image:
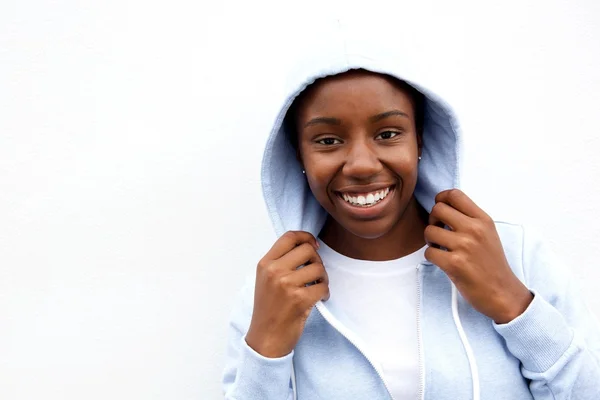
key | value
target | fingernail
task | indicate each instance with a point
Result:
(317, 244)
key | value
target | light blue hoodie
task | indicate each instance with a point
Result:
(551, 351)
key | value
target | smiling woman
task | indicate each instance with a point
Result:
(358, 138)
(387, 281)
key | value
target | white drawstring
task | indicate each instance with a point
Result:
(463, 338)
(465, 342)
(294, 381)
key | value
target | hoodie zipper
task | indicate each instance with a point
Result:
(341, 330)
(421, 365)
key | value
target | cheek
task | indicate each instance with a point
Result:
(404, 163)
(320, 171)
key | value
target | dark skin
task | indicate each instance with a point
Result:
(357, 135)
(367, 140)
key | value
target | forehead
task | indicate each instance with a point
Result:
(354, 93)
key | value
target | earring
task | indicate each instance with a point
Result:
(303, 171)
(419, 158)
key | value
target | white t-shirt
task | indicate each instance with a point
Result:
(378, 301)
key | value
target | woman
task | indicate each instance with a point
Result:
(386, 280)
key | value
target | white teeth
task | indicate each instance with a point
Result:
(368, 200)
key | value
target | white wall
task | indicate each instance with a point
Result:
(130, 141)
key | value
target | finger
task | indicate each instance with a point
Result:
(435, 235)
(444, 214)
(309, 274)
(438, 257)
(299, 256)
(287, 242)
(319, 291)
(461, 202)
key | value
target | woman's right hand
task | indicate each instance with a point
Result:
(282, 301)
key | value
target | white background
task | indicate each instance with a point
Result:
(130, 140)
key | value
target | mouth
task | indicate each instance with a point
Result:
(367, 204)
(365, 200)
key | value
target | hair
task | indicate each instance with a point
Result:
(290, 122)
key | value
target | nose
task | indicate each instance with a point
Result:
(361, 161)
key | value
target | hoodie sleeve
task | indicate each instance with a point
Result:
(247, 374)
(557, 339)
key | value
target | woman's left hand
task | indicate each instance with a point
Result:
(474, 258)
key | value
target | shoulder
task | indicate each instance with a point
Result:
(531, 256)
(511, 234)
(243, 304)
(522, 239)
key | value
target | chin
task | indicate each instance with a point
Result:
(368, 230)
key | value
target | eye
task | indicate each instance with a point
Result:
(328, 141)
(387, 135)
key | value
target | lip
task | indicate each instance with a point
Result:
(356, 190)
(367, 213)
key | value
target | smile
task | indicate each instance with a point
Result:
(365, 200)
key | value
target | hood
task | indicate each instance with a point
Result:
(290, 202)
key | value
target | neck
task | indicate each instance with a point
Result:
(406, 237)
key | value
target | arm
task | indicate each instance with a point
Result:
(248, 375)
(557, 338)
(267, 323)
(542, 316)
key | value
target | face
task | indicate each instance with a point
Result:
(357, 141)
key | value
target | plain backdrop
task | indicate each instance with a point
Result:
(131, 135)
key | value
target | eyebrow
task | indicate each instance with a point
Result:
(387, 114)
(373, 119)
(323, 120)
